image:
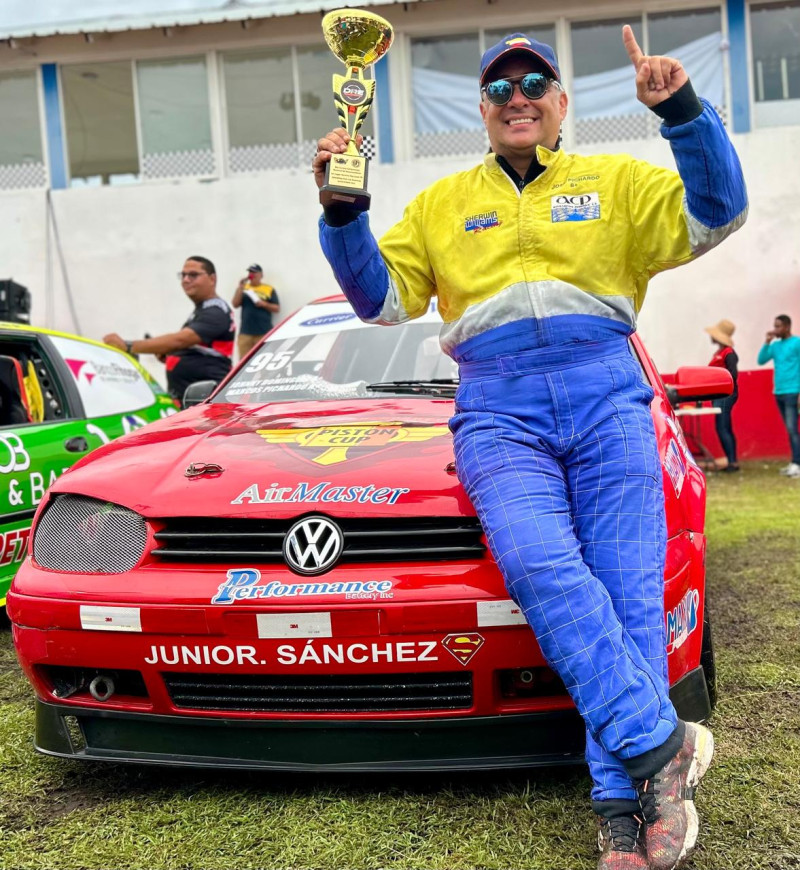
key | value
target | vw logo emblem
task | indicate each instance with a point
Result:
(313, 545)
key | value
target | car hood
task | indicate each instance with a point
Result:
(349, 458)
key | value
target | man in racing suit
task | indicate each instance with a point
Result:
(540, 261)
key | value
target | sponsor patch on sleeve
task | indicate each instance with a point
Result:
(575, 207)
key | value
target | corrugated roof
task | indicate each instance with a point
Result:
(226, 10)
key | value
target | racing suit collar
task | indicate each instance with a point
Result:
(543, 158)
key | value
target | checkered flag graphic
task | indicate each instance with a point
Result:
(20, 175)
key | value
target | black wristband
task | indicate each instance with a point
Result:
(340, 215)
(683, 106)
(129, 347)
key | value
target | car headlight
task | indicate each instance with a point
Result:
(88, 536)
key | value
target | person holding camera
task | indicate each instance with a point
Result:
(258, 301)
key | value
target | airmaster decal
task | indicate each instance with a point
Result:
(332, 444)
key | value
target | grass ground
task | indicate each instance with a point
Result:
(58, 814)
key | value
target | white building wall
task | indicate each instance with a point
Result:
(122, 246)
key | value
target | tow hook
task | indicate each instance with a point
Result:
(102, 687)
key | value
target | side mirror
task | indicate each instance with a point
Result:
(699, 384)
(197, 392)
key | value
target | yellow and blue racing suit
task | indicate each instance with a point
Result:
(539, 285)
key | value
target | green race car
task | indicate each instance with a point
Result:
(60, 397)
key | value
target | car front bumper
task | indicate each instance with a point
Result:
(412, 744)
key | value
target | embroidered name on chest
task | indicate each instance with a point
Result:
(477, 223)
(575, 207)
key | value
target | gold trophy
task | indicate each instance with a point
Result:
(358, 39)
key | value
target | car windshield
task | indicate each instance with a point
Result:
(325, 352)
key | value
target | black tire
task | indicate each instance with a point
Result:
(707, 661)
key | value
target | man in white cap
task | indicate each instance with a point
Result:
(540, 261)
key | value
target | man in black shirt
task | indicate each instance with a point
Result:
(202, 348)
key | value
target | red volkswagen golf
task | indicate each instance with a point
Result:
(288, 575)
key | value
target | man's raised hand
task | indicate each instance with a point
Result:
(657, 77)
(332, 143)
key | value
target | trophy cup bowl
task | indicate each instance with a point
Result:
(358, 39)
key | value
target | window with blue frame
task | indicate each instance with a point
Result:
(775, 33)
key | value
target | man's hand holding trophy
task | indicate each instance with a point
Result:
(358, 39)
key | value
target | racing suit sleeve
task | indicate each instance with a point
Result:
(765, 354)
(678, 218)
(386, 285)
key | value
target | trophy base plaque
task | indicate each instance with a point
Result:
(346, 182)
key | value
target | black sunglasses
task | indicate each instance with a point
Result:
(533, 86)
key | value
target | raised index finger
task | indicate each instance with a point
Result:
(632, 46)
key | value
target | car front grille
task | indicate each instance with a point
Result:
(209, 539)
(372, 693)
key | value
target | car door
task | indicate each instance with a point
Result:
(116, 393)
(41, 435)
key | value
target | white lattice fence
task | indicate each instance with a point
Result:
(19, 175)
(289, 155)
(610, 129)
(175, 164)
(262, 158)
(450, 143)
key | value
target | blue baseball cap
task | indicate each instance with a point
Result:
(519, 43)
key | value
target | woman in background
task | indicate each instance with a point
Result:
(727, 358)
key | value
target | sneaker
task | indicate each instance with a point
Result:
(667, 800)
(792, 470)
(621, 843)
(786, 468)
(729, 469)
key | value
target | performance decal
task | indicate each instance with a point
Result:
(242, 584)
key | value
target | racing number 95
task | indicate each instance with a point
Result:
(268, 361)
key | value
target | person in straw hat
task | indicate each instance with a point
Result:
(727, 358)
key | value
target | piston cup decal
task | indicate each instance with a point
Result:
(330, 445)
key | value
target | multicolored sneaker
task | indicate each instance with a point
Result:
(621, 843)
(667, 800)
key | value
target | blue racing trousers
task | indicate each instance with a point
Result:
(556, 449)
